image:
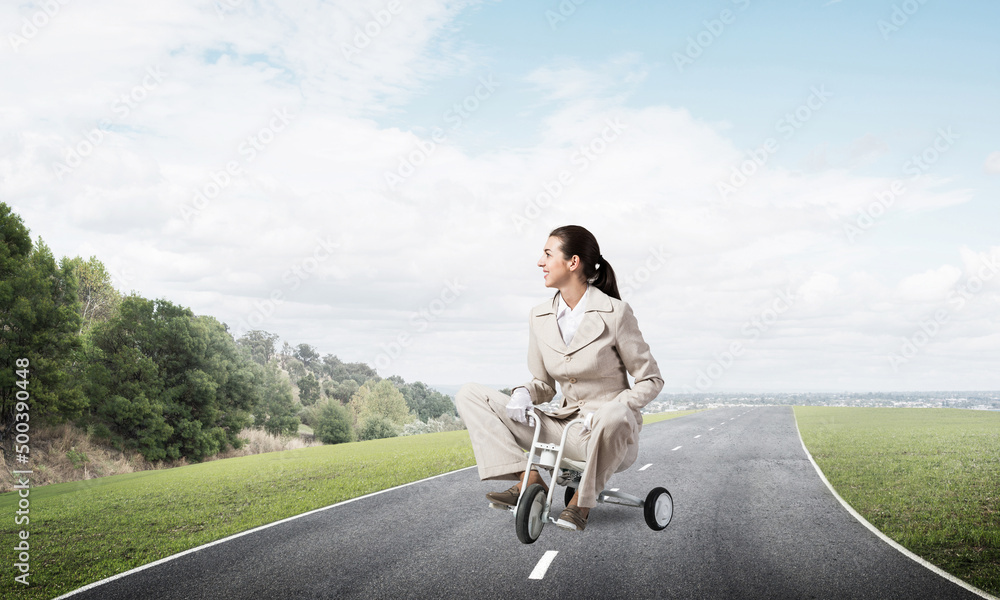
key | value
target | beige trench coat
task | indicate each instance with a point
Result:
(592, 373)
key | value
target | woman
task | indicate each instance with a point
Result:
(586, 339)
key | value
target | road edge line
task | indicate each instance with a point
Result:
(166, 559)
(902, 549)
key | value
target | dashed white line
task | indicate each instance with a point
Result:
(649, 465)
(676, 449)
(711, 428)
(543, 564)
(697, 436)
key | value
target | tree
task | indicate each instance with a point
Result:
(426, 402)
(331, 364)
(308, 355)
(168, 383)
(274, 410)
(40, 322)
(98, 296)
(342, 391)
(341, 371)
(294, 366)
(285, 354)
(333, 424)
(380, 399)
(308, 390)
(259, 344)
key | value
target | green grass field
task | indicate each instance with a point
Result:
(927, 478)
(85, 531)
(647, 419)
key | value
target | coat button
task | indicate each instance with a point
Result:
(572, 379)
(569, 358)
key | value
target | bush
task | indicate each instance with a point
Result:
(376, 428)
(445, 422)
(333, 424)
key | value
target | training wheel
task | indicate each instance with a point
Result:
(528, 519)
(658, 508)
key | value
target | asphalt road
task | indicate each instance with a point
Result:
(752, 519)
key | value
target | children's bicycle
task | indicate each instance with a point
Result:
(534, 506)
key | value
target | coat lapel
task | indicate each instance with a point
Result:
(591, 326)
(547, 329)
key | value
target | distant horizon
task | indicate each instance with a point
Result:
(442, 388)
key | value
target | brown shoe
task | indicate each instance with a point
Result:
(571, 518)
(507, 498)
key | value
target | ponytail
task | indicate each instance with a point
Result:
(605, 279)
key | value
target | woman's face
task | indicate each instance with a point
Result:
(557, 270)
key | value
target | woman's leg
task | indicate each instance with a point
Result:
(608, 444)
(498, 441)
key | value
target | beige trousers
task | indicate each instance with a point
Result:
(499, 442)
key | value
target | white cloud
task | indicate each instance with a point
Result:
(992, 164)
(645, 179)
(929, 286)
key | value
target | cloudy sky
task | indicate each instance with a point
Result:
(800, 197)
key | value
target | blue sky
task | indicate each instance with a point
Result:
(387, 203)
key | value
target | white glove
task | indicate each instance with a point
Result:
(588, 422)
(520, 408)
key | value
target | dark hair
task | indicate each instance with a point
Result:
(576, 240)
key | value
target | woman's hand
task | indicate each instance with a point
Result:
(519, 408)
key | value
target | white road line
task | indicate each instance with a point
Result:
(643, 468)
(614, 489)
(697, 436)
(543, 564)
(711, 428)
(676, 449)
